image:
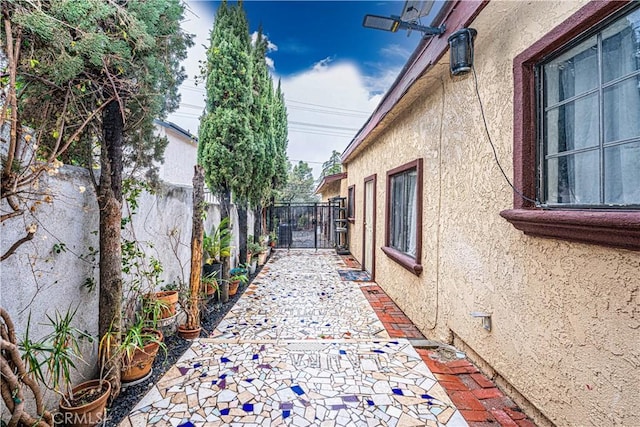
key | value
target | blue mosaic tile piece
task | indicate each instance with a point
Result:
(224, 411)
(249, 380)
(224, 360)
(247, 407)
(370, 402)
(297, 390)
(255, 357)
(378, 351)
(203, 375)
(196, 365)
(426, 396)
(187, 424)
(286, 414)
(397, 391)
(223, 376)
(343, 352)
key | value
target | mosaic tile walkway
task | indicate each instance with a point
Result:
(300, 348)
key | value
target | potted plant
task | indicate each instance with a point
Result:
(273, 239)
(83, 405)
(236, 276)
(210, 286)
(139, 347)
(253, 251)
(216, 246)
(162, 304)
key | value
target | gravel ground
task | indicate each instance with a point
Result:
(176, 346)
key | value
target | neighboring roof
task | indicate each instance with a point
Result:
(329, 179)
(455, 15)
(176, 128)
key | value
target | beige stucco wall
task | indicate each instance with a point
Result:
(566, 316)
(330, 191)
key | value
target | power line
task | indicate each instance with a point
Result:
(318, 125)
(328, 106)
(321, 133)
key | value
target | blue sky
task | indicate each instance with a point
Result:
(333, 71)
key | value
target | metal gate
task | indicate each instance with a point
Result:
(309, 225)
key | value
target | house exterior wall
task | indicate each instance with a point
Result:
(566, 323)
(330, 191)
(180, 156)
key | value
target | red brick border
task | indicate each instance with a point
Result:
(480, 402)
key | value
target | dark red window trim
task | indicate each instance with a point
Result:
(351, 204)
(374, 202)
(412, 264)
(610, 228)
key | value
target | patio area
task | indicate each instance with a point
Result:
(303, 347)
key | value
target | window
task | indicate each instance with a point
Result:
(576, 133)
(404, 215)
(590, 120)
(351, 203)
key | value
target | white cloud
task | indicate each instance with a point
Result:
(327, 104)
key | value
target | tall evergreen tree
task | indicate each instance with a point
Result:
(281, 132)
(226, 143)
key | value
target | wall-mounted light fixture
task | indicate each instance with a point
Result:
(486, 319)
(461, 51)
(394, 23)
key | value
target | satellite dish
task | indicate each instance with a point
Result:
(412, 11)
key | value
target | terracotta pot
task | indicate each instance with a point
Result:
(262, 258)
(188, 334)
(88, 414)
(141, 362)
(169, 298)
(233, 287)
(211, 289)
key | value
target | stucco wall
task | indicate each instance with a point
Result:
(180, 157)
(38, 281)
(330, 191)
(566, 318)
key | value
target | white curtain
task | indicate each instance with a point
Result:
(575, 178)
(411, 213)
(621, 50)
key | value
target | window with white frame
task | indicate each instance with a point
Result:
(589, 119)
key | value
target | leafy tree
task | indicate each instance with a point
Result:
(300, 186)
(332, 166)
(102, 71)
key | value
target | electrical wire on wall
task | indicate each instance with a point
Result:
(435, 320)
(493, 148)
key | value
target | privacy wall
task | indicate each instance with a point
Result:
(58, 269)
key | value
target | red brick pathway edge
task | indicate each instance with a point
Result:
(480, 402)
